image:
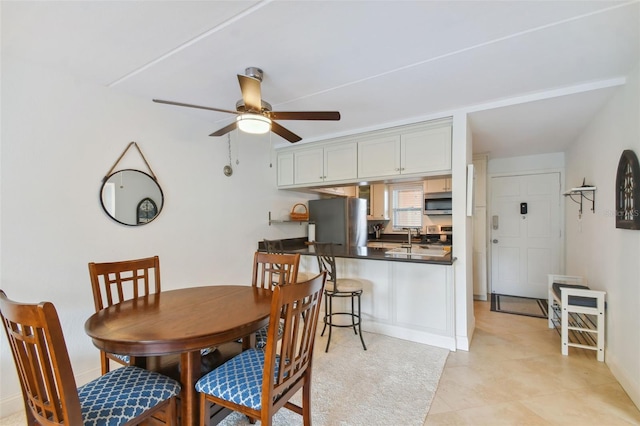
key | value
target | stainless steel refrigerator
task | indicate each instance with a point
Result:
(340, 221)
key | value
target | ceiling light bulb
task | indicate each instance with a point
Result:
(254, 123)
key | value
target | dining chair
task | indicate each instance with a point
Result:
(115, 282)
(271, 270)
(125, 396)
(277, 247)
(338, 288)
(259, 382)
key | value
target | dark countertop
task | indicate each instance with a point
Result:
(297, 245)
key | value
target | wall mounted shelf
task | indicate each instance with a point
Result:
(582, 192)
(286, 221)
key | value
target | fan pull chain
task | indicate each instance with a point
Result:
(270, 151)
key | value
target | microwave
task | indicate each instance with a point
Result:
(438, 203)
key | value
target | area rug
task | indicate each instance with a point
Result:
(517, 305)
(391, 383)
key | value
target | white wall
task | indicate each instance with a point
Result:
(461, 155)
(607, 256)
(59, 138)
(526, 164)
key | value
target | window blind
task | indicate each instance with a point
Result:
(407, 205)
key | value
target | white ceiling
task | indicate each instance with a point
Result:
(532, 73)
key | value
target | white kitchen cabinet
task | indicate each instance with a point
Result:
(377, 200)
(340, 162)
(415, 150)
(308, 166)
(423, 151)
(426, 151)
(379, 157)
(437, 185)
(325, 164)
(285, 168)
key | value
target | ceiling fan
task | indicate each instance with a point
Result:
(254, 115)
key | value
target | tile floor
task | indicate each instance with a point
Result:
(514, 374)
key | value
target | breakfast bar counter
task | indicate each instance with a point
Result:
(407, 297)
(300, 245)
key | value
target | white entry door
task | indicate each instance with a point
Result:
(525, 233)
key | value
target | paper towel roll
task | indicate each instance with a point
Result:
(312, 232)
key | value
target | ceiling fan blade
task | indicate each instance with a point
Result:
(225, 129)
(287, 134)
(251, 95)
(160, 101)
(304, 115)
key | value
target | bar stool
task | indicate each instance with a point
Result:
(338, 288)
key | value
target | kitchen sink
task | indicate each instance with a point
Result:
(417, 252)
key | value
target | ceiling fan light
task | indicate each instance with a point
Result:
(254, 123)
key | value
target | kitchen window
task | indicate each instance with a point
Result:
(406, 205)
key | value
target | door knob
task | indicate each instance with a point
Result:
(495, 241)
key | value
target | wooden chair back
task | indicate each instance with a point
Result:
(270, 269)
(41, 358)
(297, 307)
(115, 282)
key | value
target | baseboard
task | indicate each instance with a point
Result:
(11, 405)
(440, 341)
(632, 389)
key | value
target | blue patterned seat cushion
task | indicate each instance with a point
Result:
(238, 380)
(123, 394)
(261, 336)
(124, 358)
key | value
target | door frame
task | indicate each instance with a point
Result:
(561, 213)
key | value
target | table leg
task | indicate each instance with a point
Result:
(189, 375)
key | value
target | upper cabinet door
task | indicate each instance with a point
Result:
(426, 151)
(379, 157)
(285, 168)
(437, 185)
(308, 166)
(340, 162)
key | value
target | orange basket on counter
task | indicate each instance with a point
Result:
(296, 215)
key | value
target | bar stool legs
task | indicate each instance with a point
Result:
(329, 315)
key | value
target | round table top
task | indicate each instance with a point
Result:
(182, 320)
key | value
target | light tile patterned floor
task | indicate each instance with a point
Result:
(514, 374)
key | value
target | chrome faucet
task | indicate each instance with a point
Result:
(408, 238)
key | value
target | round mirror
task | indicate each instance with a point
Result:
(131, 197)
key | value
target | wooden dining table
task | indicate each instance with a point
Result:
(182, 321)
